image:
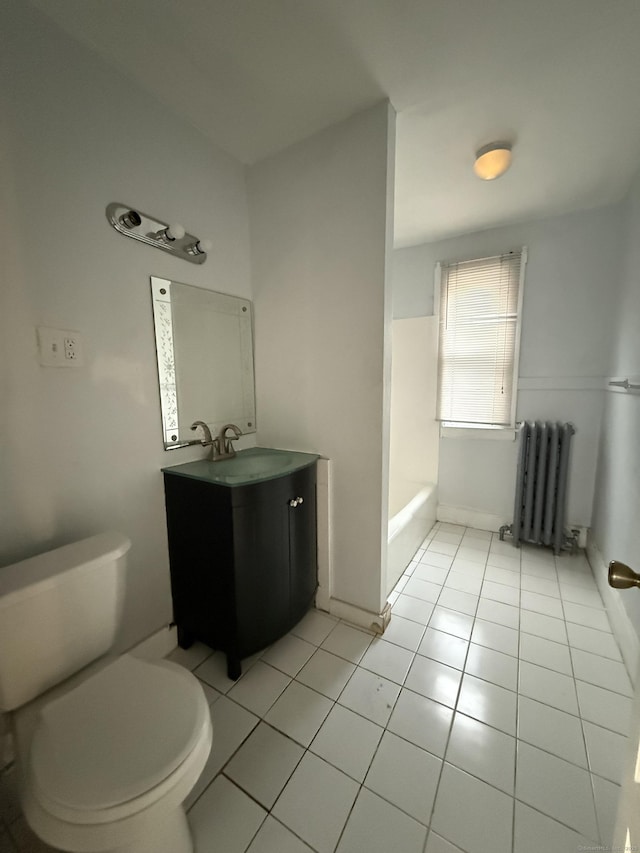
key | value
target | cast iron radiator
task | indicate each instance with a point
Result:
(541, 485)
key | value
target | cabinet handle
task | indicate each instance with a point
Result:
(295, 501)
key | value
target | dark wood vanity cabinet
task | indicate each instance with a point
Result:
(243, 559)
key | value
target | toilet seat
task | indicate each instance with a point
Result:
(116, 744)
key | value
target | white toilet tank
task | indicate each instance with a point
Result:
(59, 611)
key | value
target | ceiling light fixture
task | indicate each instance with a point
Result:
(492, 160)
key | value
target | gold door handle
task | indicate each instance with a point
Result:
(621, 576)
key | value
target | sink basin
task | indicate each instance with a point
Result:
(248, 466)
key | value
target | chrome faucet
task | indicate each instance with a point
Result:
(221, 447)
(225, 446)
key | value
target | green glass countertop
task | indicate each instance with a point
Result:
(254, 465)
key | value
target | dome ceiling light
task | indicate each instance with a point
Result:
(492, 160)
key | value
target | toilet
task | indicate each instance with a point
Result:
(107, 747)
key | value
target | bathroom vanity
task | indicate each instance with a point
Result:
(242, 548)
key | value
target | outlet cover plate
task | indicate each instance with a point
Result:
(59, 347)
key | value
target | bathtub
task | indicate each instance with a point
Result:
(412, 514)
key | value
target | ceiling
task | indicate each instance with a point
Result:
(558, 78)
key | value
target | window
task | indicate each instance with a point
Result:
(479, 340)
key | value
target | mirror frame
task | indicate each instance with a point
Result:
(165, 359)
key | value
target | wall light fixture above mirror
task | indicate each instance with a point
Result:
(204, 345)
(170, 238)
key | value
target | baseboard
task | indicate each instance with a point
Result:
(620, 623)
(470, 518)
(361, 618)
(156, 646)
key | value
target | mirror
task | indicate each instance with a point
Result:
(204, 345)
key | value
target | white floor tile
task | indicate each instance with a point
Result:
(483, 751)
(606, 751)
(232, 724)
(473, 533)
(347, 642)
(473, 551)
(504, 561)
(263, 764)
(590, 617)
(348, 741)
(415, 609)
(273, 837)
(259, 688)
(464, 582)
(443, 647)
(495, 636)
(370, 695)
(488, 703)
(469, 563)
(434, 680)
(544, 586)
(543, 626)
(535, 832)
(557, 788)
(545, 653)
(375, 826)
(437, 844)
(439, 547)
(404, 632)
(606, 796)
(503, 576)
(388, 660)
(225, 818)
(590, 640)
(551, 730)
(541, 604)
(326, 673)
(500, 592)
(314, 627)
(471, 814)
(463, 602)
(451, 622)
(600, 706)
(424, 590)
(604, 672)
(212, 695)
(405, 775)
(539, 569)
(214, 671)
(431, 558)
(422, 721)
(434, 574)
(548, 686)
(492, 666)
(581, 595)
(289, 654)
(192, 657)
(501, 614)
(316, 802)
(299, 712)
(500, 547)
(444, 536)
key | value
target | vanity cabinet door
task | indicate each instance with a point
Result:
(261, 559)
(303, 573)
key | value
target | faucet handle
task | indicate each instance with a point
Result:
(226, 440)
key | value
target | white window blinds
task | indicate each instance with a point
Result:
(479, 339)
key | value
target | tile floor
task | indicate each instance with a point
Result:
(490, 718)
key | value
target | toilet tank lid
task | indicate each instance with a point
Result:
(32, 576)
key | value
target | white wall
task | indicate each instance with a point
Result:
(567, 332)
(617, 506)
(81, 450)
(413, 456)
(320, 226)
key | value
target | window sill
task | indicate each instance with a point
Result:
(491, 434)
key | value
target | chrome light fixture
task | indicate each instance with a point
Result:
(492, 160)
(170, 238)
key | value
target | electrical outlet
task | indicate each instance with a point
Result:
(59, 347)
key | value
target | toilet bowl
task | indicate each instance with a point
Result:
(107, 755)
